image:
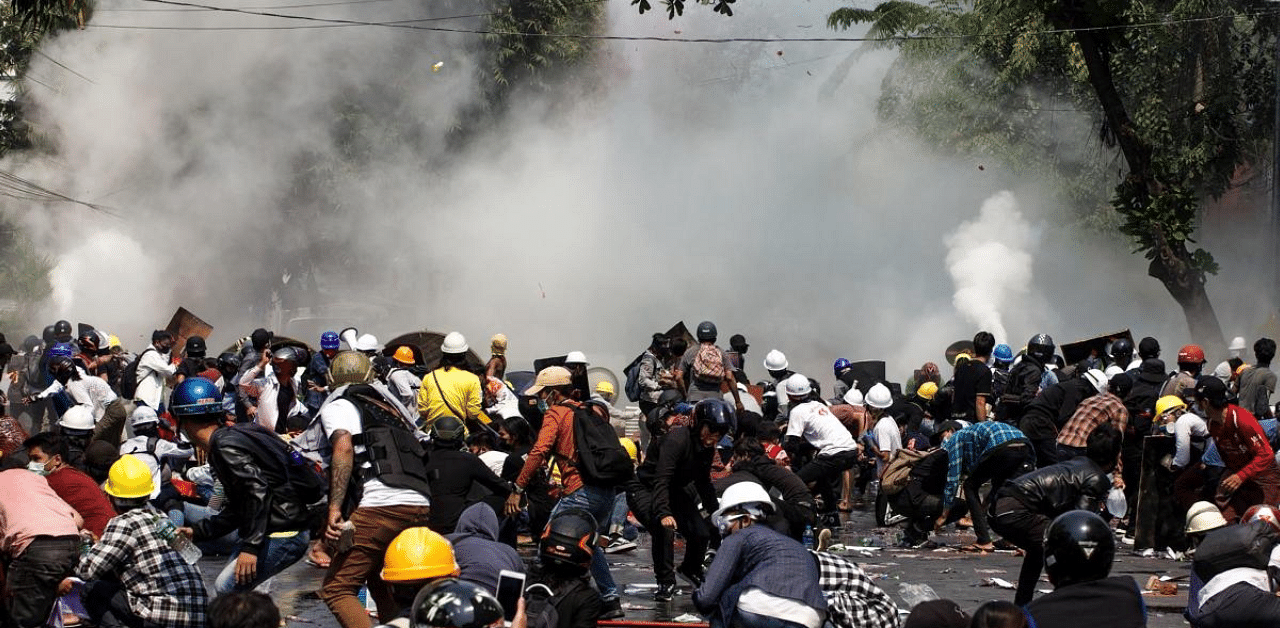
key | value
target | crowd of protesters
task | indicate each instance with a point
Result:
(411, 484)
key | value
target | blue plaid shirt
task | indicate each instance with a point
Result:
(967, 447)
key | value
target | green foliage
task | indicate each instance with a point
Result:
(676, 7)
(24, 276)
(528, 57)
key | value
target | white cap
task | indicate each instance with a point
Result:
(853, 397)
(1237, 344)
(879, 397)
(798, 386)
(454, 342)
(142, 415)
(575, 357)
(366, 342)
(775, 361)
(1098, 379)
(78, 417)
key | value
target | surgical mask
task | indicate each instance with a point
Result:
(37, 468)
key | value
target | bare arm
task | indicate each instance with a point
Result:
(340, 466)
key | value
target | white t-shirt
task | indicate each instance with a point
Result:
(138, 447)
(756, 600)
(405, 385)
(494, 460)
(1188, 425)
(341, 414)
(888, 437)
(505, 403)
(823, 430)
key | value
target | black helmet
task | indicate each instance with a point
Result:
(715, 414)
(49, 337)
(1041, 348)
(229, 361)
(62, 330)
(196, 347)
(448, 429)
(1078, 547)
(1122, 348)
(89, 342)
(1149, 348)
(453, 603)
(569, 538)
(706, 331)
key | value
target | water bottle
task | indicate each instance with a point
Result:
(808, 537)
(178, 542)
(914, 594)
(86, 542)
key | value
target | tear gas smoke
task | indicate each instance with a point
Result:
(663, 182)
(990, 262)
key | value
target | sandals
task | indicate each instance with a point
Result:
(974, 548)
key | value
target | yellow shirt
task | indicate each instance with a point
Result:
(459, 387)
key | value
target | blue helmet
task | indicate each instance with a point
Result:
(62, 350)
(195, 396)
(329, 341)
(840, 365)
(1003, 353)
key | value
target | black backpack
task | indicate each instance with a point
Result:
(1241, 545)
(129, 377)
(308, 483)
(632, 373)
(601, 459)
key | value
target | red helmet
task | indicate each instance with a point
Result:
(1263, 512)
(1191, 354)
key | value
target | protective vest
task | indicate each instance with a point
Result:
(390, 447)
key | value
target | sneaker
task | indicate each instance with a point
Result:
(612, 609)
(691, 576)
(619, 544)
(665, 593)
(824, 539)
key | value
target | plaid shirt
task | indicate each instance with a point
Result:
(853, 600)
(160, 586)
(1090, 414)
(967, 447)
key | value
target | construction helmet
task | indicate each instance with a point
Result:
(927, 390)
(746, 496)
(143, 415)
(419, 554)
(366, 342)
(1041, 348)
(448, 429)
(575, 357)
(498, 344)
(630, 446)
(89, 341)
(1169, 402)
(775, 361)
(403, 355)
(453, 603)
(62, 329)
(1263, 512)
(1078, 547)
(1122, 349)
(1191, 354)
(605, 387)
(879, 397)
(1237, 344)
(853, 397)
(77, 417)
(1003, 353)
(840, 365)
(715, 414)
(350, 367)
(798, 386)
(569, 538)
(329, 341)
(195, 396)
(1098, 379)
(454, 342)
(706, 331)
(129, 478)
(1204, 516)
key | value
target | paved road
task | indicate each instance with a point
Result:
(951, 574)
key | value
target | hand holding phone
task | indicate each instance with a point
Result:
(510, 590)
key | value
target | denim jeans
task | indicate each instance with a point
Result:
(743, 619)
(599, 502)
(279, 554)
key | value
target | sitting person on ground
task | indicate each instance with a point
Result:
(1234, 563)
(1079, 548)
(481, 556)
(759, 577)
(1202, 518)
(417, 556)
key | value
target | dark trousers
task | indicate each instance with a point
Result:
(32, 578)
(826, 473)
(1025, 529)
(998, 465)
(692, 526)
(921, 509)
(108, 607)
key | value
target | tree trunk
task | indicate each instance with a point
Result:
(1172, 266)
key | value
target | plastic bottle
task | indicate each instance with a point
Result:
(914, 594)
(178, 542)
(808, 537)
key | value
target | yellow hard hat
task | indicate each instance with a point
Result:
(927, 390)
(630, 446)
(113, 341)
(1169, 402)
(498, 344)
(419, 554)
(962, 357)
(129, 478)
(605, 388)
(404, 355)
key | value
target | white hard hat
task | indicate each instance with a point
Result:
(798, 386)
(775, 361)
(1204, 516)
(879, 397)
(1098, 379)
(78, 417)
(366, 342)
(575, 357)
(1113, 370)
(1237, 344)
(744, 493)
(454, 342)
(853, 397)
(1223, 372)
(143, 415)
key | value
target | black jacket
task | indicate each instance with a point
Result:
(1054, 407)
(796, 504)
(681, 461)
(454, 474)
(260, 499)
(1113, 602)
(1077, 484)
(1023, 386)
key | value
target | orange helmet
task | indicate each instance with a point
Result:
(404, 355)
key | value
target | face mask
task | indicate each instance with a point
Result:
(62, 376)
(37, 468)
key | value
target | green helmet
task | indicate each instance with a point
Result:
(448, 429)
(350, 367)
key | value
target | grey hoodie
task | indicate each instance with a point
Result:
(475, 545)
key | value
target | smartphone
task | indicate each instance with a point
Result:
(510, 589)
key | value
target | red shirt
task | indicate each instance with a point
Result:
(83, 494)
(1242, 443)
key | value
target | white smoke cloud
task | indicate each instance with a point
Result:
(990, 263)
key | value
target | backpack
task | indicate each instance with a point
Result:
(129, 376)
(632, 373)
(708, 365)
(898, 470)
(601, 459)
(308, 483)
(1241, 545)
